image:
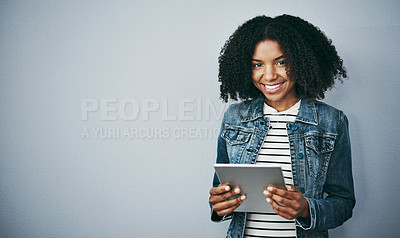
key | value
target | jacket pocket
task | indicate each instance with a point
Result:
(235, 135)
(236, 139)
(319, 148)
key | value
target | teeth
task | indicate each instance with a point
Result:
(273, 86)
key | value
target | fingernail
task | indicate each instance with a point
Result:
(266, 193)
(243, 197)
(270, 188)
(288, 187)
(237, 190)
(269, 200)
(227, 188)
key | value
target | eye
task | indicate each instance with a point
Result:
(257, 65)
(280, 63)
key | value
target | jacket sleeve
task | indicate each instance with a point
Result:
(222, 158)
(339, 200)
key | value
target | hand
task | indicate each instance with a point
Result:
(289, 204)
(220, 201)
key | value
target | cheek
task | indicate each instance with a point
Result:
(292, 87)
(283, 73)
(255, 76)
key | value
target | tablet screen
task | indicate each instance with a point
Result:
(252, 180)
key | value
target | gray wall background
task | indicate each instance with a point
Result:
(56, 56)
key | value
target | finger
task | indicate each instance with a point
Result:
(292, 193)
(229, 205)
(292, 200)
(283, 201)
(222, 188)
(227, 211)
(282, 211)
(292, 208)
(224, 196)
(292, 188)
(271, 190)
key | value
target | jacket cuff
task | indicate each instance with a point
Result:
(216, 218)
(308, 223)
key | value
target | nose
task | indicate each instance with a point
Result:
(269, 73)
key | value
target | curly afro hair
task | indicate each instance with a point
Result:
(310, 57)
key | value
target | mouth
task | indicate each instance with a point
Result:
(273, 88)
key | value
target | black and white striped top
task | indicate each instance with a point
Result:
(274, 151)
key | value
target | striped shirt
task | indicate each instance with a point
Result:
(274, 151)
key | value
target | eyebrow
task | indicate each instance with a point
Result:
(277, 58)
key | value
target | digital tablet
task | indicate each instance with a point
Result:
(252, 179)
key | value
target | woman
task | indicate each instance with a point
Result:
(279, 67)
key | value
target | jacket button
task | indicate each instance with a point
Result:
(300, 155)
(294, 127)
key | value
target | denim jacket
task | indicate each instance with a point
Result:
(321, 160)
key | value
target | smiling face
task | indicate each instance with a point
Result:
(270, 76)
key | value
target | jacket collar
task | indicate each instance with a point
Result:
(253, 110)
(308, 112)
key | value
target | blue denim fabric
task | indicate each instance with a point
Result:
(321, 160)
